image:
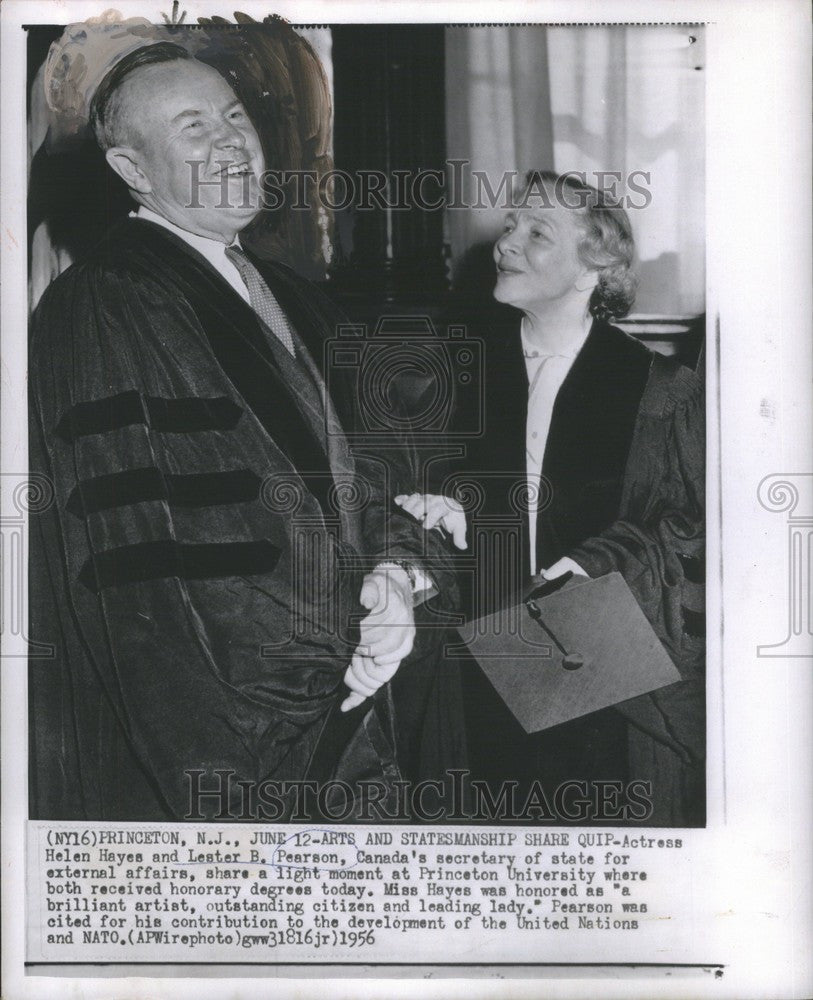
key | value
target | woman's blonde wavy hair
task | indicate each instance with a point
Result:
(607, 246)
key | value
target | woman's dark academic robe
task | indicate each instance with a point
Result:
(623, 490)
(209, 534)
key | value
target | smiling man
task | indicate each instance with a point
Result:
(182, 142)
(199, 572)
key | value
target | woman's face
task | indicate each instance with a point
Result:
(537, 258)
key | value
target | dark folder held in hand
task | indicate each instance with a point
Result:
(558, 655)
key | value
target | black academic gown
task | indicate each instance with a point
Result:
(588, 441)
(601, 434)
(199, 566)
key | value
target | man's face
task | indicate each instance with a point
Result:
(537, 258)
(195, 147)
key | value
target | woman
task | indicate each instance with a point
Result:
(608, 441)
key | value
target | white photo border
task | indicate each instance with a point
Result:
(753, 864)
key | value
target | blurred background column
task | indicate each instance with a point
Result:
(389, 117)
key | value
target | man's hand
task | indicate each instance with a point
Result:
(436, 511)
(387, 633)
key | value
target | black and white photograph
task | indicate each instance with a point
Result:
(369, 572)
(256, 558)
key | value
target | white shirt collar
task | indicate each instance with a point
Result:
(203, 244)
(532, 351)
(214, 251)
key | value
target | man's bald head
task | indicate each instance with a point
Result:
(183, 143)
(110, 117)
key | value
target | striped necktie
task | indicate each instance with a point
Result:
(262, 298)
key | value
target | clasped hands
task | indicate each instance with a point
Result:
(387, 633)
